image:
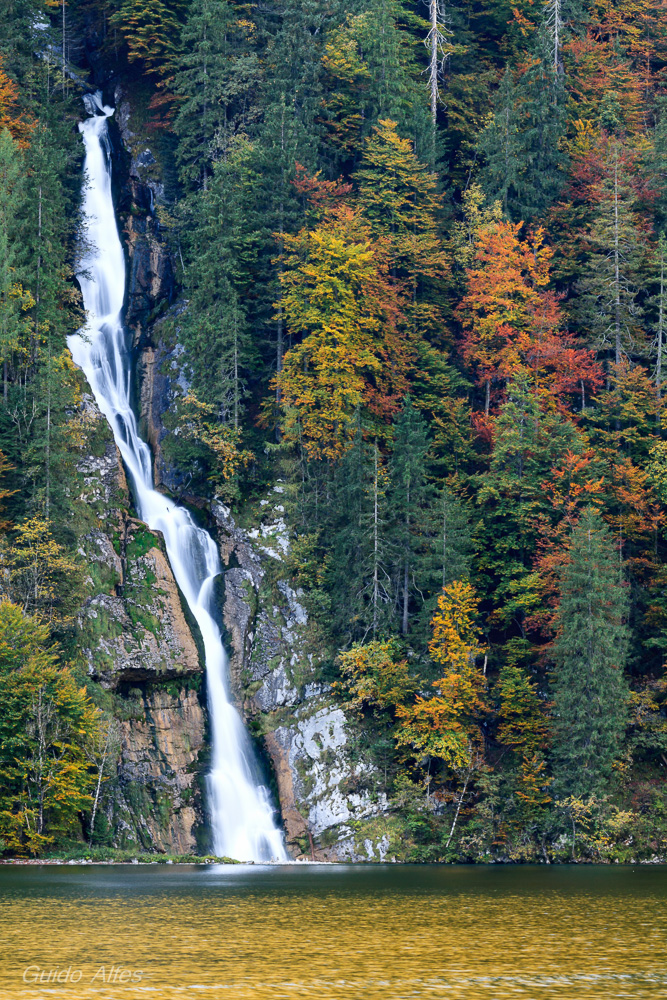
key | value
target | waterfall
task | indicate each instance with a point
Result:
(239, 805)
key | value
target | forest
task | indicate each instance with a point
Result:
(422, 252)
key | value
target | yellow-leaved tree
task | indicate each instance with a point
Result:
(47, 726)
(448, 726)
(376, 675)
(343, 314)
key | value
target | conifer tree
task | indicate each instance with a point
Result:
(522, 142)
(590, 693)
(613, 275)
(542, 101)
(150, 30)
(215, 80)
(12, 294)
(501, 145)
(410, 510)
(358, 564)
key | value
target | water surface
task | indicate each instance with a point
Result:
(330, 932)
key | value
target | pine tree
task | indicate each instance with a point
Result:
(501, 145)
(657, 164)
(357, 564)
(12, 294)
(542, 101)
(150, 30)
(659, 303)
(590, 693)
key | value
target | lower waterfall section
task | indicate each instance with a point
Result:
(240, 808)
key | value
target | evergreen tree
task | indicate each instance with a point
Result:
(657, 164)
(522, 142)
(410, 504)
(609, 303)
(12, 294)
(215, 82)
(501, 145)
(590, 694)
(542, 101)
(150, 30)
(357, 565)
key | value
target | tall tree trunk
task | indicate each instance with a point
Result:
(458, 809)
(64, 57)
(236, 371)
(433, 63)
(100, 775)
(444, 541)
(33, 346)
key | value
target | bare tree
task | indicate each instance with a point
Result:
(438, 47)
(103, 753)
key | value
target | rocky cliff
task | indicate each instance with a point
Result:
(135, 641)
(327, 792)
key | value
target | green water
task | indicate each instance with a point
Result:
(333, 932)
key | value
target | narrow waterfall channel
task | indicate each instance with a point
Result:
(240, 808)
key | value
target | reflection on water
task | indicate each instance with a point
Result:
(333, 932)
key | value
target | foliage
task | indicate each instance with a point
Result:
(374, 675)
(589, 691)
(443, 332)
(47, 724)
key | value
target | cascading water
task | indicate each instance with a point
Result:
(241, 813)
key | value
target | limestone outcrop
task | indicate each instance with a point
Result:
(324, 791)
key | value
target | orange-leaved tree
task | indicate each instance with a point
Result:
(511, 319)
(11, 117)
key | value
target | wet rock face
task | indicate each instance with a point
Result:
(274, 678)
(150, 280)
(160, 377)
(162, 382)
(157, 805)
(141, 632)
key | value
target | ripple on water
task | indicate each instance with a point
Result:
(334, 933)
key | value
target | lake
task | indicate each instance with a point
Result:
(385, 931)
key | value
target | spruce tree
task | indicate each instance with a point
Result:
(543, 100)
(522, 142)
(590, 693)
(410, 507)
(500, 144)
(358, 563)
(609, 303)
(215, 81)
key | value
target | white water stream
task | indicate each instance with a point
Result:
(241, 813)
